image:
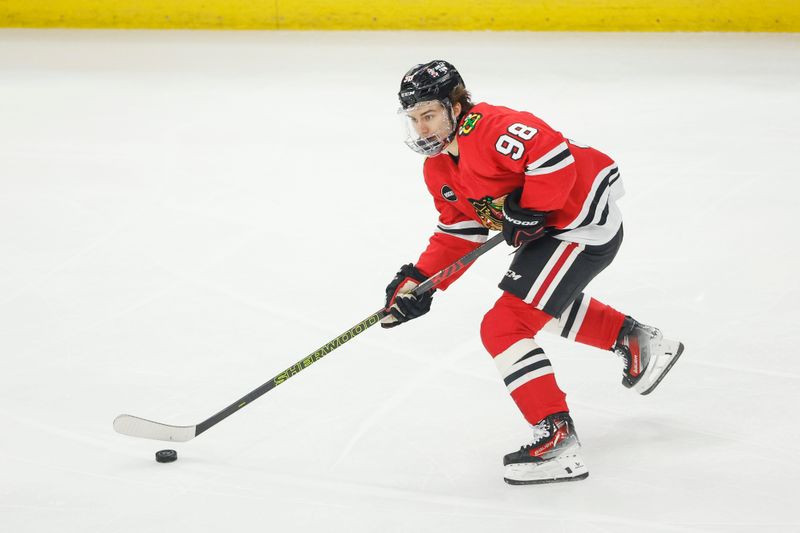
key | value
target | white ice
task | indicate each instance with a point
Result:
(183, 215)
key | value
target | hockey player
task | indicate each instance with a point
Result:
(493, 168)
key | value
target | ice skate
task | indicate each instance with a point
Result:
(648, 356)
(553, 456)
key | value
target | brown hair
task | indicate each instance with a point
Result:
(461, 95)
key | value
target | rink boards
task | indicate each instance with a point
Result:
(499, 15)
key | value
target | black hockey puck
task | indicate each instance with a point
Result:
(166, 456)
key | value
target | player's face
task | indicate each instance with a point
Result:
(429, 119)
(428, 126)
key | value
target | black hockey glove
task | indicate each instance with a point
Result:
(404, 306)
(521, 225)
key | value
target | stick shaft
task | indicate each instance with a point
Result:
(429, 284)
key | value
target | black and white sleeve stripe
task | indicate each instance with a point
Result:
(468, 230)
(553, 161)
(595, 206)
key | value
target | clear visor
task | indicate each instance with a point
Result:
(427, 127)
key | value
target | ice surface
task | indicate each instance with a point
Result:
(184, 215)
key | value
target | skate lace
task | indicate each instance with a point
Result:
(621, 349)
(645, 335)
(541, 431)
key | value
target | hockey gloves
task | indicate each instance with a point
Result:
(402, 305)
(521, 225)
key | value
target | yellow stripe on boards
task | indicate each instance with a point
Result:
(500, 15)
(155, 14)
(538, 15)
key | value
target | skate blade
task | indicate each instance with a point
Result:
(568, 466)
(666, 370)
(545, 481)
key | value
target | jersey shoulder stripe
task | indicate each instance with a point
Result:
(553, 161)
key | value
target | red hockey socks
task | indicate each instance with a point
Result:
(588, 321)
(507, 332)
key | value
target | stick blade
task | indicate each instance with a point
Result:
(134, 426)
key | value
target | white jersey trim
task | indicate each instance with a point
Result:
(608, 184)
(610, 173)
(563, 157)
(469, 230)
(461, 225)
(595, 235)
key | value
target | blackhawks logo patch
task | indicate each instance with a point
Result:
(470, 121)
(490, 211)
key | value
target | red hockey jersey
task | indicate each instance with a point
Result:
(501, 149)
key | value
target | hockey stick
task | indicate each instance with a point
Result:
(147, 429)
